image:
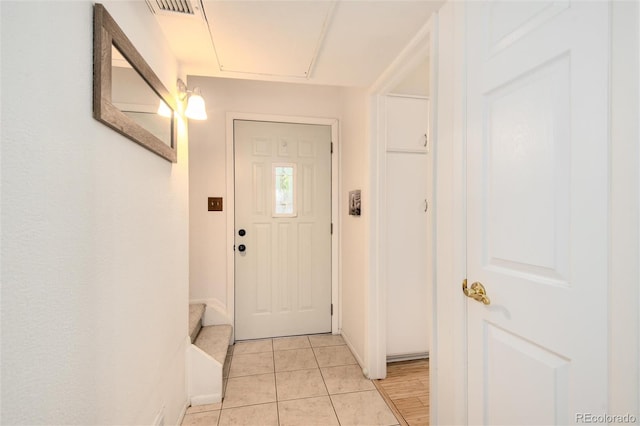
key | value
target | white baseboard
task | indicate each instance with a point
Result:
(356, 355)
(183, 412)
(159, 420)
(206, 399)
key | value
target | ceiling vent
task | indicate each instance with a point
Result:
(174, 7)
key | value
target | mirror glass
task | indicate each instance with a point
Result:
(135, 98)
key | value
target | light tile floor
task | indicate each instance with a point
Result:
(302, 380)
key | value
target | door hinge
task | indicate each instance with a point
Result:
(234, 247)
(332, 309)
(332, 229)
(332, 147)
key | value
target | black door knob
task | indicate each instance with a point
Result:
(242, 232)
(242, 248)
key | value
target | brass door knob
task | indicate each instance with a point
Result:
(476, 292)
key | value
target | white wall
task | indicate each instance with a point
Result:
(416, 82)
(208, 242)
(355, 247)
(94, 232)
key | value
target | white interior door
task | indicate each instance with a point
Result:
(407, 181)
(537, 210)
(283, 229)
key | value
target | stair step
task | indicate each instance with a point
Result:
(215, 340)
(196, 312)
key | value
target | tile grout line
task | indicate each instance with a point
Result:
(317, 367)
(323, 379)
(220, 411)
(275, 381)
(224, 386)
(392, 406)
(324, 382)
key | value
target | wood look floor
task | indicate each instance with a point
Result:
(406, 391)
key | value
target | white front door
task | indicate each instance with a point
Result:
(537, 157)
(282, 229)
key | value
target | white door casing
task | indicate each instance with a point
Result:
(283, 273)
(422, 45)
(537, 191)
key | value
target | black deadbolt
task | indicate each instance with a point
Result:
(242, 248)
(242, 232)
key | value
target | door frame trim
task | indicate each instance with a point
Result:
(424, 43)
(335, 207)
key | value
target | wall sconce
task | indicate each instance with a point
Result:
(195, 103)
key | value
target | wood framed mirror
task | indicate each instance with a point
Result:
(127, 94)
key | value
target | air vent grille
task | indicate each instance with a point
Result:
(174, 6)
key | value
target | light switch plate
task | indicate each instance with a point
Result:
(215, 204)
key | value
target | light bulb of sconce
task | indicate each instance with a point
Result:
(196, 109)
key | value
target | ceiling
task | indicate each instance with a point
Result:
(343, 43)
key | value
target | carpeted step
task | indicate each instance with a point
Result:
(214, 340)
